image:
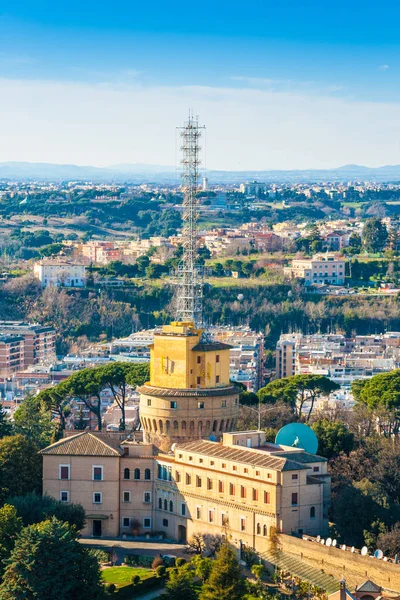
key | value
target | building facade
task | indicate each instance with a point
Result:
(189, 395)
(56, 273)
(328, 268)
(243, 484)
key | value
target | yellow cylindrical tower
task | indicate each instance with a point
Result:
(189, 395)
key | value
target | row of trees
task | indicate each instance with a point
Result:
(86, 386)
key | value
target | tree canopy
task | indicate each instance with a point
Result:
(225, 581)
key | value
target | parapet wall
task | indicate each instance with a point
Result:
(354, 568)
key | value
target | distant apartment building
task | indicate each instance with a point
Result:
(253, 188)
(23, 344)
(325, 268)
(336, 240)
(60, 274)
(341, 359)
(96, 250)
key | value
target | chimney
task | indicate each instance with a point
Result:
(342, 589)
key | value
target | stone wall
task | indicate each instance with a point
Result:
(353, 567)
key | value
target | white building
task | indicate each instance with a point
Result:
(327, 268)
(61, 274)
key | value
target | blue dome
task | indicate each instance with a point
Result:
(298, 435)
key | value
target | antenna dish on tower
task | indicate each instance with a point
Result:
(364, 551)
(378, 554)
(334, 543)
(318, 538)
(298, 435)
(343, 547)
(329, 542)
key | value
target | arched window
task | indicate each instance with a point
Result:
(136, 474)
(265, 531)
(167, 426)
(171, 506)
(126, 474)
(160, 425)
(191, 425)
(154, 425)
(258, 529)
(147, 474)
(176, 425)
(215, 425)
(312, 512)
(160, 503)
(221, 427)
(165, 504)
(184, 426)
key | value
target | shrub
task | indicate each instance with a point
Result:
(137, 560)
(180, 562)
(110, 588)
(160, 571)
(157, 562)
(101, 555)
(135, 579)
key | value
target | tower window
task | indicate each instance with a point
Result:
(198, 360)
(174, 404)
(200, 405)
(217, 379)
(198, 380)
(217, 358)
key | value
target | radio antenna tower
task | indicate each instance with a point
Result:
(190, 274)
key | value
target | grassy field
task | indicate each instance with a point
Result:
(122, 576)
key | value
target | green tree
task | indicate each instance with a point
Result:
(202, 566)
(381, 394)
(34, 508)
(5, 423)
(119, 376)
(374, 235)
(297, 390)
(86, 386)
(225, 581)
(33, 420)
(47, 562)
(56, 399)
(20, 466)
(333, 437)
(10, 527)
(180, 585)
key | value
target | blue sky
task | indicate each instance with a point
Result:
(279, 84)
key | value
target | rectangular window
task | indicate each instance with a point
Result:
(198, 512)
(126, 496)
(267, 497)
(269, 475)
(223, 466)
(97, 473)
(147, 497)
(148, 402)
(188, 479)
(165, 522)
(200, 405)
(198, 481)
(159, 472)
(224, 520)
(211, 515)
(234, 468)
(183, 509)
(217, 358)
(64, 496)
(198, 380)
(257, 473)
(242, 492)
(173, 404)
(146, 523)
(294, 499)
(223, 404)
(209, 484)
(315, 469)
(63, 472)
(221, 487)
(198, 360)
(97, 498)
(255, 494)
(246, 470)
(295, 476)
(231, 489)
(177, 476)
(217, 379)
(126, 522)
(243, 524)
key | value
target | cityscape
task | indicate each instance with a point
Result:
(200, 302)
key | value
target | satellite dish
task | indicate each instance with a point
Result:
(334, 543)
(378, 554)
(385, 558)
(364, 551)
(329, 542)
(212, 438)
(318, 538)
(322, 542)
(344, 547)
(173, 447)
(298, 435)
(353, 549)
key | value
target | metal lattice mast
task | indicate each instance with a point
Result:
(190, 273)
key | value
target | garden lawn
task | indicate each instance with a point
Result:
(122, 576)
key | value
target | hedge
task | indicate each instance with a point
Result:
(131, 591)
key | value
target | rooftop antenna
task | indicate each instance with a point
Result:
(189, 294)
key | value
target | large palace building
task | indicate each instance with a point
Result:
(189, 395)
(191, 472)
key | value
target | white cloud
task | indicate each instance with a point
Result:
(246, 128)
(384, 67)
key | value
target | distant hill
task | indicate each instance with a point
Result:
(139, 173)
